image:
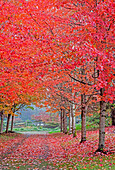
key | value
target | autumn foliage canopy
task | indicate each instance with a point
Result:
(50, 48)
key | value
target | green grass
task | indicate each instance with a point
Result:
(106, 162)
(27, 164)
(78, 126)
(54, 131)
(6, 138)
(25, 129)
(89, 163)
(91, 124)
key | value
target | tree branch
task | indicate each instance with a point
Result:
(49, 27)
(34, 20)
(80, 81)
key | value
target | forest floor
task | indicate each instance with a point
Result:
(56, 151)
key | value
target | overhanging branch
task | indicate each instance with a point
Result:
(80, 81)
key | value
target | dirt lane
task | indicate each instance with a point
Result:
(34, 133)
(31, 148)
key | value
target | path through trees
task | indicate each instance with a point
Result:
(56, 151)
(59, 55)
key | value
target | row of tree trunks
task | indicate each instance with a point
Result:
(72, 127)
(101, 122)
(83, 120)
(72, 118)
(8, 121)
(13, 109)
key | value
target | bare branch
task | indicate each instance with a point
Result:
(34, 20)
(80, 81)
(49, 27)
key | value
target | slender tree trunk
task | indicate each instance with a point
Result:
(12, 123)
(102, 123)
(1, 129)
(70, 120)
(73, 121)
(8, 120)
(64, 122)
(113, 116)
(83, 118)
(61, 117)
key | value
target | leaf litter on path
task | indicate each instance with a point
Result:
(58, 151)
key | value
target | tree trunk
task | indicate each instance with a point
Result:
(70, 119)
(64, 122)
(1, 129)
(12, 123)
(113, 117)
(73, 121)
(102, 123)
(8, 120)
(83, 118)
(61, 117)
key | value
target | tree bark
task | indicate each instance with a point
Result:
(73, 121)
(8, 120)
(113, 116)
(102, 123)
(61, 117)
(64, 122)
(83, 118)
(70, 119)
(12, 123)
(1, 129)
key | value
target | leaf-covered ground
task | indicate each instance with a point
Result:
(56, 151)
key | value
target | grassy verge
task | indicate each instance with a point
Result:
(89, 163)
(30, 129)
(27, 165)
(7, 136)
(89, 126)
(95, 163)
